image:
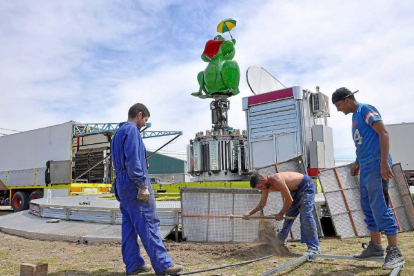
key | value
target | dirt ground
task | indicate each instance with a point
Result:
(102, 259)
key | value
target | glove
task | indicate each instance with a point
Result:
(143, 193)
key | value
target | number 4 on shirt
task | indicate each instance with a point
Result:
(357, 137)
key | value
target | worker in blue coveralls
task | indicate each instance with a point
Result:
(298, 192)
(136, 197)
(374, 162)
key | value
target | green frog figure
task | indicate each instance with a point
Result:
(222, 75)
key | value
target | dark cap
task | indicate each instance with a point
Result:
(341, 94)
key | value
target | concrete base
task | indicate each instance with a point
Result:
(79, 229)
(29, 226)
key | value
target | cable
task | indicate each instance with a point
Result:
(225, 266)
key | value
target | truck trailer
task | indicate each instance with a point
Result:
(58, 158)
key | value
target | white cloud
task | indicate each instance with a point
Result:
(89, 61)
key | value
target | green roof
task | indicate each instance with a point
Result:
(162, 164)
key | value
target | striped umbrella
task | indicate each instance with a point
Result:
(226, 25)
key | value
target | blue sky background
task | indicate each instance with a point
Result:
(89, 61)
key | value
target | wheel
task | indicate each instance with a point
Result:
(20, 201)
(35, 195)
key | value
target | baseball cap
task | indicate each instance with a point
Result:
(341, 94)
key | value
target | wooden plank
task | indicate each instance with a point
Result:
(39, 269)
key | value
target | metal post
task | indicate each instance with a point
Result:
(396, 270)
(312, 258)
(113, 216)
(395, 212)
(208, 216)
(346, 203)
(176, 223)
(284, 266)
(67, 211)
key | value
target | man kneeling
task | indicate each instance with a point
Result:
(298, 192)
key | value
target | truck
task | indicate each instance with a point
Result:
(60, 160)
(54, 158)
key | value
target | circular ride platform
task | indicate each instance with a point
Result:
(82, 219)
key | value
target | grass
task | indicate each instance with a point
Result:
(70, 259)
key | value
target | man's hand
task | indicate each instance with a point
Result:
(246, 216)
(143, 193)
(355, 169)
(386, 171)
(279, 217)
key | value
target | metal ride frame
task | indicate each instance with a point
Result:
(90, 129)
(102, 211)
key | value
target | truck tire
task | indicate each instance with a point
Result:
(35, 195)
(20, 201)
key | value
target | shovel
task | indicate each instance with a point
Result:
(259, 217)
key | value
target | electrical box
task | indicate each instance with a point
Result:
(317, 154)
(323, 133)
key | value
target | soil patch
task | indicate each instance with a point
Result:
(71, 259)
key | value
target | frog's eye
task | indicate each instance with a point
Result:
(216, 38)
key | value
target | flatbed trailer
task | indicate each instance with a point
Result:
(52, 158)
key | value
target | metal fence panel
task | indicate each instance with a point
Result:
(399, 180)
(341, 191)
(205, 214)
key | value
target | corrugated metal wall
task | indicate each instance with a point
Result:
(162, 164)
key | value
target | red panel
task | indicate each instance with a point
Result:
(270, 96)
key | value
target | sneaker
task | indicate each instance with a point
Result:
(172, 270)
(372, 250)
(142, 269)
(312, 251)
(394, 258)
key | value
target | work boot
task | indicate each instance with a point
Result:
(142, 269)
(372, 250)
(394, 258)
(172, 270)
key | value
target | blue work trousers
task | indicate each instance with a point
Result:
(140, 218)
(375, 202)
(303, 204)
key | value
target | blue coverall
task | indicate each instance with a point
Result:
(303, 204)
(138, 218)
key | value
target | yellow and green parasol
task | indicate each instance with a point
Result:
(226, 25)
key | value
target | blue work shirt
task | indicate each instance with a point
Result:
(366, 139)
(128, 157)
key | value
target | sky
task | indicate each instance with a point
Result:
(89, 61)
